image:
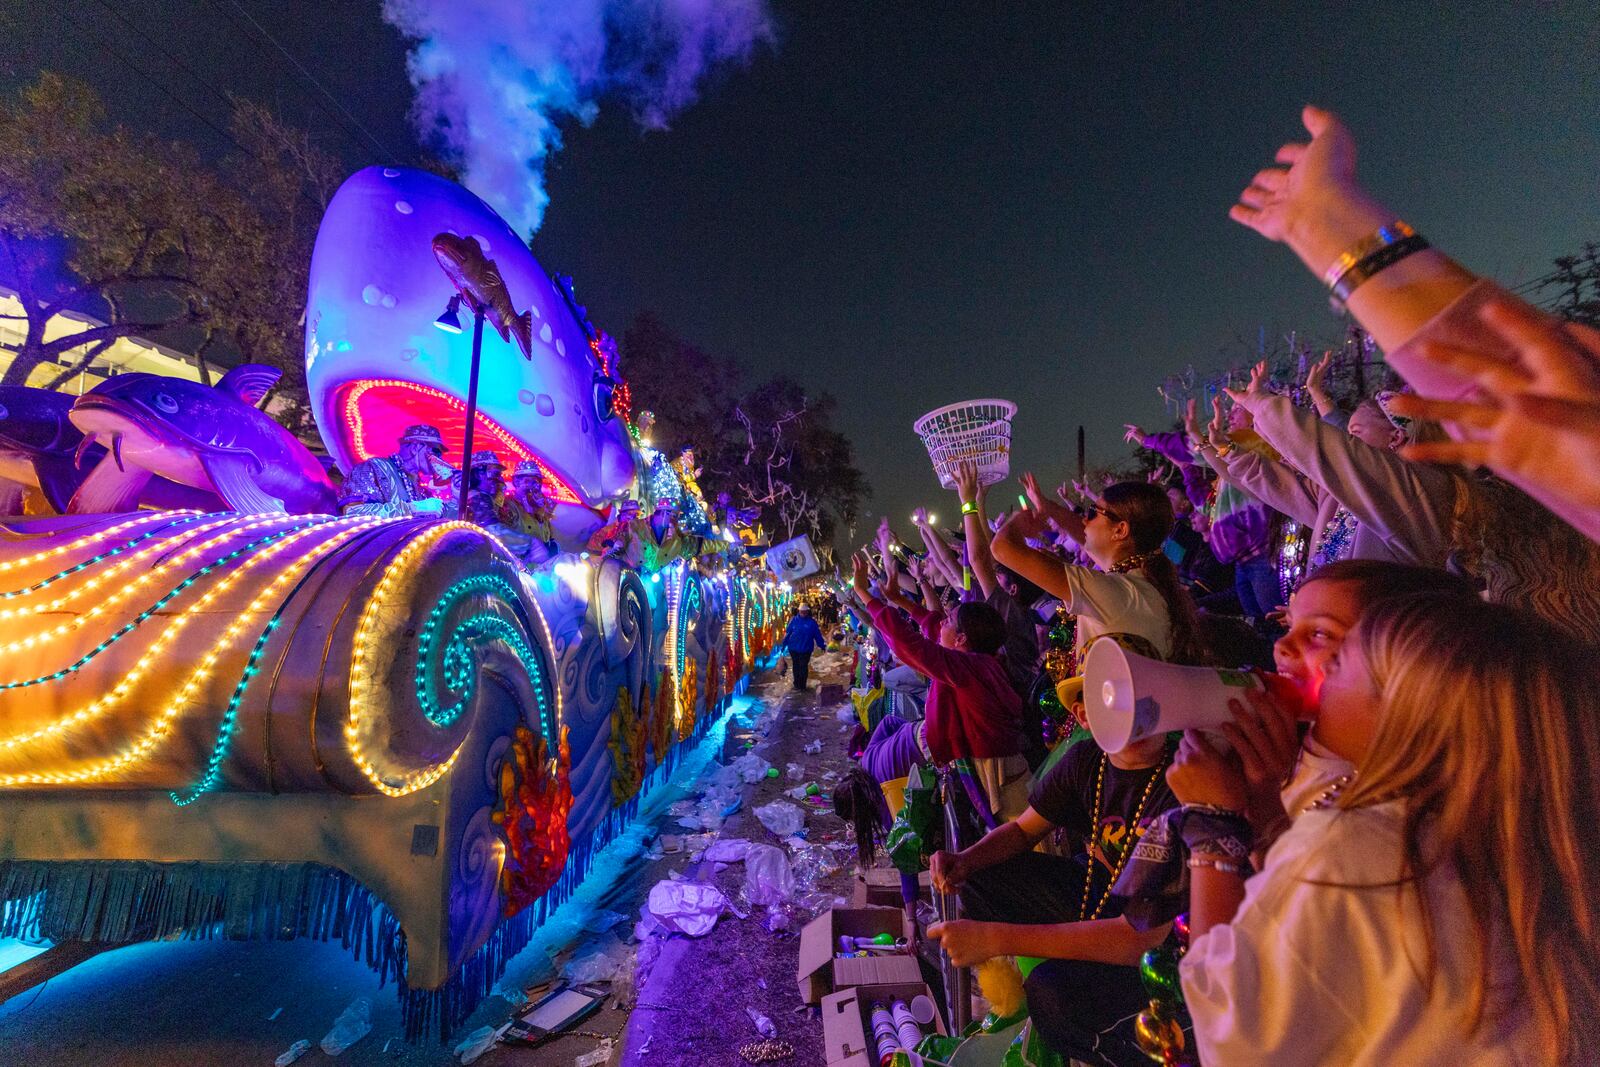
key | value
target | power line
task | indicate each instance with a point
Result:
(175, 60)
(382, 151)
(147, 76)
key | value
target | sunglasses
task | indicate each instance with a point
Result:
(1101, 509)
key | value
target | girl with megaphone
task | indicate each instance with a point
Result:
(1436, 904)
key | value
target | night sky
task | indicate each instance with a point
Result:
(912, 204)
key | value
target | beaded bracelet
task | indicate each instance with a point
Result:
(1242, 870)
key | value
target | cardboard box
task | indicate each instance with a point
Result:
(847, 1021)
(880, 888)
(820, 973)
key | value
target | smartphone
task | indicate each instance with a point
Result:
(557, 1011)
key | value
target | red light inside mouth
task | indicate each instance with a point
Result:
(374, 412)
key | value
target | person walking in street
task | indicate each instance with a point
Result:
(802, 638)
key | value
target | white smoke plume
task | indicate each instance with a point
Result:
(493, 77)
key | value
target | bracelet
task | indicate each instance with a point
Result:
(969, 507)
(1221, 450)
(1379, 261)
(1241, 870)
(1385, 235)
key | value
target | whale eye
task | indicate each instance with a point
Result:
(164, 402)
(604, 387)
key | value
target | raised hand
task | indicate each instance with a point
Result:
(965, 475)
(1217, 432)
(919, 517)
(1132, 434)
(1030, 487)
(1251, 396)
(1311, 200)
(1191, 423)
(1201, 773)
(1536, 421)
(862, 574)
(1318, 374)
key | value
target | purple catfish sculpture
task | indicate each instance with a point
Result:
(37, 447)
(212, 438)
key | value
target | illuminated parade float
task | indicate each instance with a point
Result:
(389, 705)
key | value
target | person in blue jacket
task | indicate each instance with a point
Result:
(799, 640)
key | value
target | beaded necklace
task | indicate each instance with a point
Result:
(1134, 562)
(1133, 825)
(1335, 539)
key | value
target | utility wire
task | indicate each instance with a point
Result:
(147, 76)
(382, 151)
(175, 60)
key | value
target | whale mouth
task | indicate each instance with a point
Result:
(373, 412)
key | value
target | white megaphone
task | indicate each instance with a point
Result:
(1129, 697)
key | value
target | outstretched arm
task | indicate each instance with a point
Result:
(975, 526)
(938, 552)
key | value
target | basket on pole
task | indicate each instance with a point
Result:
(976, 431)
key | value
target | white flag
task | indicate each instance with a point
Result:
(793, 560)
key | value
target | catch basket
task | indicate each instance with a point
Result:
(978, 431)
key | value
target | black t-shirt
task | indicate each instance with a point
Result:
(1065, 796)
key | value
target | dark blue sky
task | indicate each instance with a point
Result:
(910, 204)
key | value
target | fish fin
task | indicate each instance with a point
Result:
(108, 490)
(58, 480)
(13, 496)
(250, 381)
(232, 477)
(522, 329)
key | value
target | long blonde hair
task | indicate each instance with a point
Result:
(1489, 734)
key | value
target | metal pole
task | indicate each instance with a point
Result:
(472, 414)
(957, 990)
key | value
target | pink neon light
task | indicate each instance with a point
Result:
(375, 411)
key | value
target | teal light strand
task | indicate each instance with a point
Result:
(143, 616)
(109, 553)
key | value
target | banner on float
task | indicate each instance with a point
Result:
(793, 559)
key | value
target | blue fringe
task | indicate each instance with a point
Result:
(123, 901)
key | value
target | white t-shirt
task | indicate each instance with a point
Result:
(1324, 974)
(1117, 604)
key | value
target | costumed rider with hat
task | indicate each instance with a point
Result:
(488, 506)
(529, 510)
(406, 483)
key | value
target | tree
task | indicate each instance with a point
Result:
(771, 445)
(1574, 286)
(147, 237)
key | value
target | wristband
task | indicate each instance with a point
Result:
(1242, 870)
(1347, 260)
(969, 507)
(1379, 261)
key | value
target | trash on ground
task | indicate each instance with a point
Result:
(598, 1058)
(597, 961)
(688, 908)
(764, 1026)
(767, 877)
(477, 1043)
(795, 772)
(353, 1024)
(814, 747)
(292, 1053)
(781, 817)
(727, 850)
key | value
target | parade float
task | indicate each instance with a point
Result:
(227, 710)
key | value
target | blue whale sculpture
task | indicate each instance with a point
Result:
(375, 362)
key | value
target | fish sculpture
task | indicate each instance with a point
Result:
(391, 251)
(38, 446)
(479, 283)
(210, 438)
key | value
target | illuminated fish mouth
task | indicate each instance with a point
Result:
(373, 412)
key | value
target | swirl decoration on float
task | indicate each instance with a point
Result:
(477, 621)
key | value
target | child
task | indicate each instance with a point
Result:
(1439, 907)
(972, 711)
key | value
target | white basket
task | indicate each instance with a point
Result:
(977, 431)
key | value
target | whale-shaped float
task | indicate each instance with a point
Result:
(375, 363)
